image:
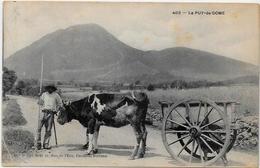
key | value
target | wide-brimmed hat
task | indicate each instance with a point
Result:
(50, 88)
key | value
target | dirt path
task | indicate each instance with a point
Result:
(115, 145)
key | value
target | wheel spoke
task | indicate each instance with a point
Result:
(187, 143)
(220, 141)
(213, 122)
(178, 139)
(196, 149)
(206, 116)
(192, 149)
(183, 118)
(212, 140)
(173, 131)
(191, 121)
(213, 131)
(198, 114)
(203, 140)
(201, 157)
(178, 123)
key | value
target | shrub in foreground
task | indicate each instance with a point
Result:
(18, 140)
(12, 115)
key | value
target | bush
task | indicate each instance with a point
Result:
(9, 78)
(32, 91)
(12, 115)
(247, 133)
(28, 87)
(150, 87)
(18, 141)
(20, 86)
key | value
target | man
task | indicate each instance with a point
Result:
(50, 103)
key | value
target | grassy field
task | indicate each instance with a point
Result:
(247, 96)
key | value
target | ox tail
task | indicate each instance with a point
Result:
(143, 105)
(146, 100)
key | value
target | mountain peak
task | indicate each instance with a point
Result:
(91, 51)
(89, 26)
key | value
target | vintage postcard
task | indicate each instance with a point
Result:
(110, 84)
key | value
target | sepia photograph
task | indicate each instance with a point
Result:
(130, 84)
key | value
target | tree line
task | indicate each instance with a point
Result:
(31, 87)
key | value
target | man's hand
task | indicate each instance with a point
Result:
(61, 108)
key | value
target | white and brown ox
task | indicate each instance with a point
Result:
(113, 110)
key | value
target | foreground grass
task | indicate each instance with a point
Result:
(15, 140)
(18, 140)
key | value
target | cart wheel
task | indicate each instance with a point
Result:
(196, 131)
(233, 135)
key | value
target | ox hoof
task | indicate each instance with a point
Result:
(85, 146)
(90, 152)
(140, 155)
(225, 161)
(95, 151)
(131, 158)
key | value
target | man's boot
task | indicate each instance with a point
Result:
(46, 146)
(39, 146)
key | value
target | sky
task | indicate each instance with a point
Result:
(145, 26)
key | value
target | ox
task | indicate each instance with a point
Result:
(113, 110)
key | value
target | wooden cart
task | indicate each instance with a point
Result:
(199, 131)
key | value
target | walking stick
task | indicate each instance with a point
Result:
(55, 135)
(39, 109)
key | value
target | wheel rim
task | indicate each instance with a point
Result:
(193, 131)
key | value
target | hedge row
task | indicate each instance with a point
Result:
(12, 115)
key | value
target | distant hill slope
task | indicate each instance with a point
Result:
(88, 52)
(191, 63)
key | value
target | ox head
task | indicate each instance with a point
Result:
(64, 114)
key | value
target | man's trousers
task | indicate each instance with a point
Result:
(46, 119)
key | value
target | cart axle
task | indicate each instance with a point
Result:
(195, 131)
